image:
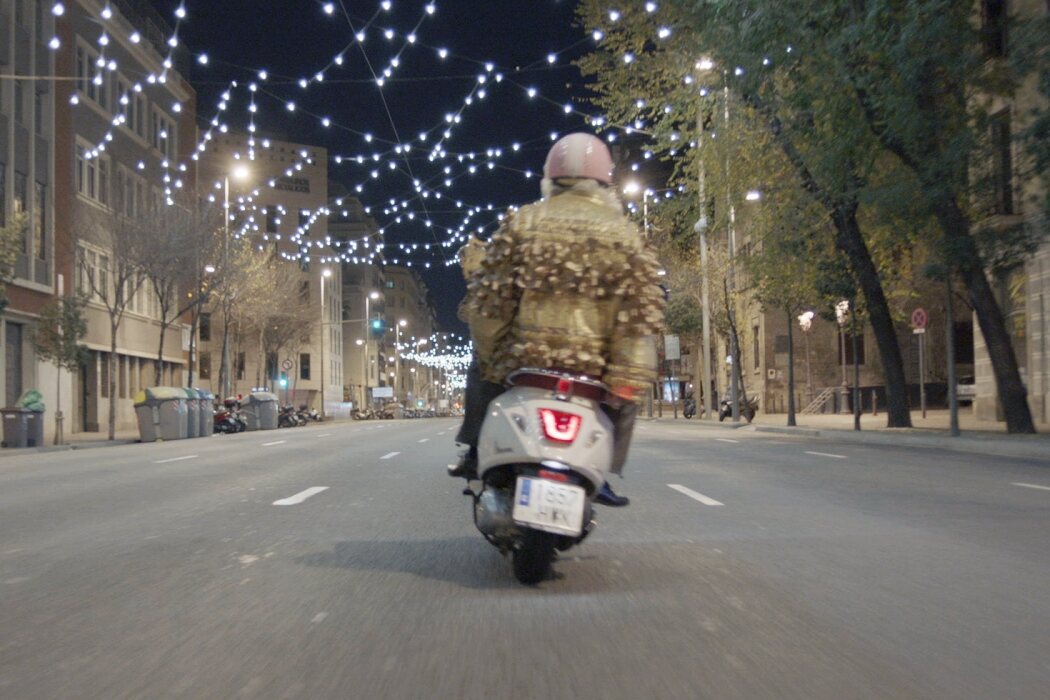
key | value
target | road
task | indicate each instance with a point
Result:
(747, 566)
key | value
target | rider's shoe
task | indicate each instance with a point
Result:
(607, 497)
(466, 467)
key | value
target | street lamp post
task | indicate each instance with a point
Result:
(841, 315)
(325, 274)
(239, 172)
(806, 322)
(398, 381)
(364, 350)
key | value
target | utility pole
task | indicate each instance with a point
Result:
(705, 289)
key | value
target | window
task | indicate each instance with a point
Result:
(40, 16)
(21, 193)
(849, 349)
(304, 365)
(240, 366)
(20, 102)
(1002, 164)
(205, 329)
(92, 273)
(756, 352)
(38, 112)
(271, 220)
(304, 290)
(92, 81)
(122, 383)
(39, 223)
(994, 18)
(20, 12)
(204, 365)
(304, 217)
(271, 365)
(162, 134)
(92, 175)
(104, 375)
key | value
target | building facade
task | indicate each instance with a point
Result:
(412, 320)
(281, 204)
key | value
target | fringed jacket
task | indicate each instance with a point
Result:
(566, 283)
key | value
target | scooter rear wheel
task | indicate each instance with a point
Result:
(532, 560)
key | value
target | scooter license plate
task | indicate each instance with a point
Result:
(549, 506)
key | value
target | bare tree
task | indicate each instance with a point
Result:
(112, 272)
(185, 241)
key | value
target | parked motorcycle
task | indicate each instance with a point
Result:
(545, 450)
(362, 414)
(307, 415)
(748, 409)
(689, 409)
(228, 417)
(288, 417)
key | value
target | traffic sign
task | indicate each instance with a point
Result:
(287, 364)
(919, 318)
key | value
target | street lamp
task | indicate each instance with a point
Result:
(632, 188)
(841, 315)
(237, 172)
(805, 321)
(371, 296)
(325, 274)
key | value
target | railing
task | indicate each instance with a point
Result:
(817, 404)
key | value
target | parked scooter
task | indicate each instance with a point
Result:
(545, 450)
(748, 409)
(288, 417)
(307, 415)
(689, 409)
(228, 418)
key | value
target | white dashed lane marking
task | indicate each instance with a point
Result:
(727, 440)
(389, 455)
(175, 459)
(301, 496)
(1030, 486)
(325, 435)
(276, 442)
(425, 440)
(695, 495)
(826, 454)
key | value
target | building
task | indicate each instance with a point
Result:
(412, 320)
(1016, 201)
(282, 204)
(27, 185)
(114, 142)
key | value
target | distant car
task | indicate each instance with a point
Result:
(966, 390)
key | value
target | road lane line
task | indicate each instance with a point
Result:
(696, 496)
(425, 440)
(271, 444)
(1030, 486)
(325, 435)
(727, 440)
(175, 459)
(301, 496)
(389, 455)
(826, 454)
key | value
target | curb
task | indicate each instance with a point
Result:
(1020, 447)
(728, 425)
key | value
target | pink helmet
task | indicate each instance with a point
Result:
(579, 156)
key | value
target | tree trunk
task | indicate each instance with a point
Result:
(113, 380)
(58, 405)
(856, 373)
(1012, 393)
(791, 369)
(160, 351)
(850, 240)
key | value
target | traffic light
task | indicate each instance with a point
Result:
(377, 326)
(283, 381)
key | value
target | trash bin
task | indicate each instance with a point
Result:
(35, 428)
(16, 428)
(193, 413)
(161, 412)
(262, 411)
(207, 412)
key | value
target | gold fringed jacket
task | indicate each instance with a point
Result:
(566, 283)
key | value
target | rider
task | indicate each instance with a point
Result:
(566, 283)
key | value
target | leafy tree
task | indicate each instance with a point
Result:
(815, 137)
(57, 339)
(12, 236)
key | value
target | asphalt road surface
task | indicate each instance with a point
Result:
(338, 561)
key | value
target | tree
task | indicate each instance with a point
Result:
(56, 339)
(12, 237)
(682, 100)
(174, 264)
(925, 81)
(121, 245)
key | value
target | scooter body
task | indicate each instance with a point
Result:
(546, 448)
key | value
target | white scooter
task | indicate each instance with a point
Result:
(546, 448)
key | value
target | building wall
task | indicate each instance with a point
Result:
(272, 217)
(408, 300)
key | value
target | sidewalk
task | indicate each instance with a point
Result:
(982, 437)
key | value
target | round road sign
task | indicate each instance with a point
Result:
(287, 365)
(919, 318)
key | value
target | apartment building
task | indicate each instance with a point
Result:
(281, 203)
(412, 320)
(27, 167)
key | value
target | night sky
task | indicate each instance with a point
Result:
(294, 39)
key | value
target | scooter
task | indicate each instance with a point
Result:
(546, 448)
(689, 409)
(748, 409)
(228, 419)
(288, 417)
(308, 414)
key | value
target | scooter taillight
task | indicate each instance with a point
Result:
(559, 426)
(553, 475)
